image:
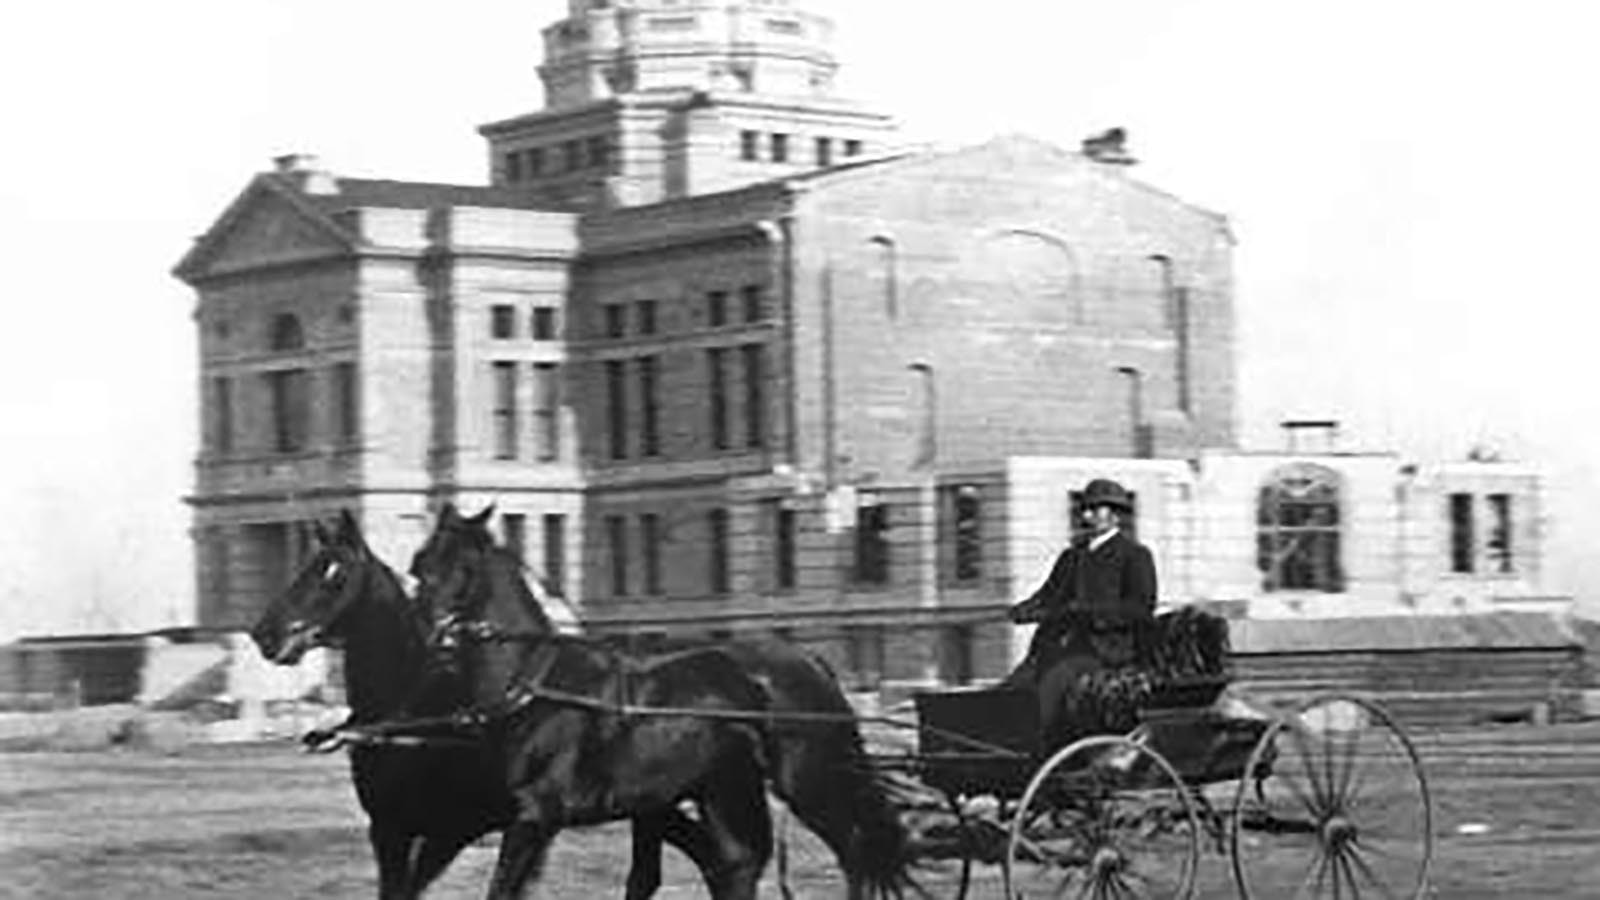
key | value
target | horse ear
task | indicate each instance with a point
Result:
(320, 532)
(349, 529)
(482, 518)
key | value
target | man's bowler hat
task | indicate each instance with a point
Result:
(1105, 492)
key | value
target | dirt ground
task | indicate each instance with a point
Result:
(1516, 814)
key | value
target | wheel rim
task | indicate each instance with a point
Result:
(1104, 818)
(1344, 813)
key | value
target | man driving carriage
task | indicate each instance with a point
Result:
(1089, 609)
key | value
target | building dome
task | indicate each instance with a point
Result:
(608, 47)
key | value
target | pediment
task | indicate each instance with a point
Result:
(265, 226)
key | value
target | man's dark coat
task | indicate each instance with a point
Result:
(1095, 596)
(1087, 610)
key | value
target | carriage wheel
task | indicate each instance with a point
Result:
(1335, 804)
(1106, 818)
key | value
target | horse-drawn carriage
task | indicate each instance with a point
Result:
(504, 725)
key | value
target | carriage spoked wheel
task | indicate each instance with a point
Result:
(1334, 804)
(1105, 818)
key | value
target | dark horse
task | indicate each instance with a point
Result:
(427, 800)
(816, 760)
(423, 805)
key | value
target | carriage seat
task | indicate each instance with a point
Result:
(1180, 661)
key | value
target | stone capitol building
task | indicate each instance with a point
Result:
(728, 356)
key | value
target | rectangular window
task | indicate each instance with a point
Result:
(955, 654)
(852, 148)
(780, 147)
(514, 529)
(513, 166)
(346, 403)
(650, 538)
(782, 521)
(617, 407)
(865, 654)
(750, 145)
(649, 407)
(645, 316)
(754, 300)
(572, 155)
(535, 162)
(717, 520)
(505, 410)
(755, 403)
(617, 546)
(1462, 542)
(502, 321)
(546, 412)
(616, 320)
(1500, 531)
(717, 386)
(599, 151)
(824, 151)
(963, 513)
(555, 553)
(716, 308)
(222, 414)
(872, 543)
(544, 323)
(286, 394)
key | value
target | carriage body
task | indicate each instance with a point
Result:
(1136, 789)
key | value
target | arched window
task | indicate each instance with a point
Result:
(888, 270)
(1298, 519)
(1036, 271)
(286, 332)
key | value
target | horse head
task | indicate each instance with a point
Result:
(463, 576)
(337, 573)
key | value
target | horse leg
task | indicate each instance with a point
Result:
(522, 853)
(392, 848)
(644, 874)
(739, 826)
(435, 854)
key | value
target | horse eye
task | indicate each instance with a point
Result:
(332, 571)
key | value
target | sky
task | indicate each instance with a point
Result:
(1413, 186)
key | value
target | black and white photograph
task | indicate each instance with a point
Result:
(800, 449)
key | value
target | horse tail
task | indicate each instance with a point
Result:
(879, 857)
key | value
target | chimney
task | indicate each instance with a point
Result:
(305, 170)
(1311, 435)
(1109, 147)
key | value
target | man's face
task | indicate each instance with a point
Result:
(1100, 519)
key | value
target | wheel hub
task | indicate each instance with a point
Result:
(1338, 831)
(1107, 861)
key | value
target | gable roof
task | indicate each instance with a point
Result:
(1018, 145)
(319, 210)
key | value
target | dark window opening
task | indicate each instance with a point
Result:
(505, 410)
(649, 407)
(753, 298)
(617, 407)
(717, 520)
(872, 543)
(650, 538)
(544, 323)
(780, 147)
(717, 308)
(617, 539)
(555, 553)
(750, 145)
(502, 321)
(716, 375)
(755, 402)
(1499, 546)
